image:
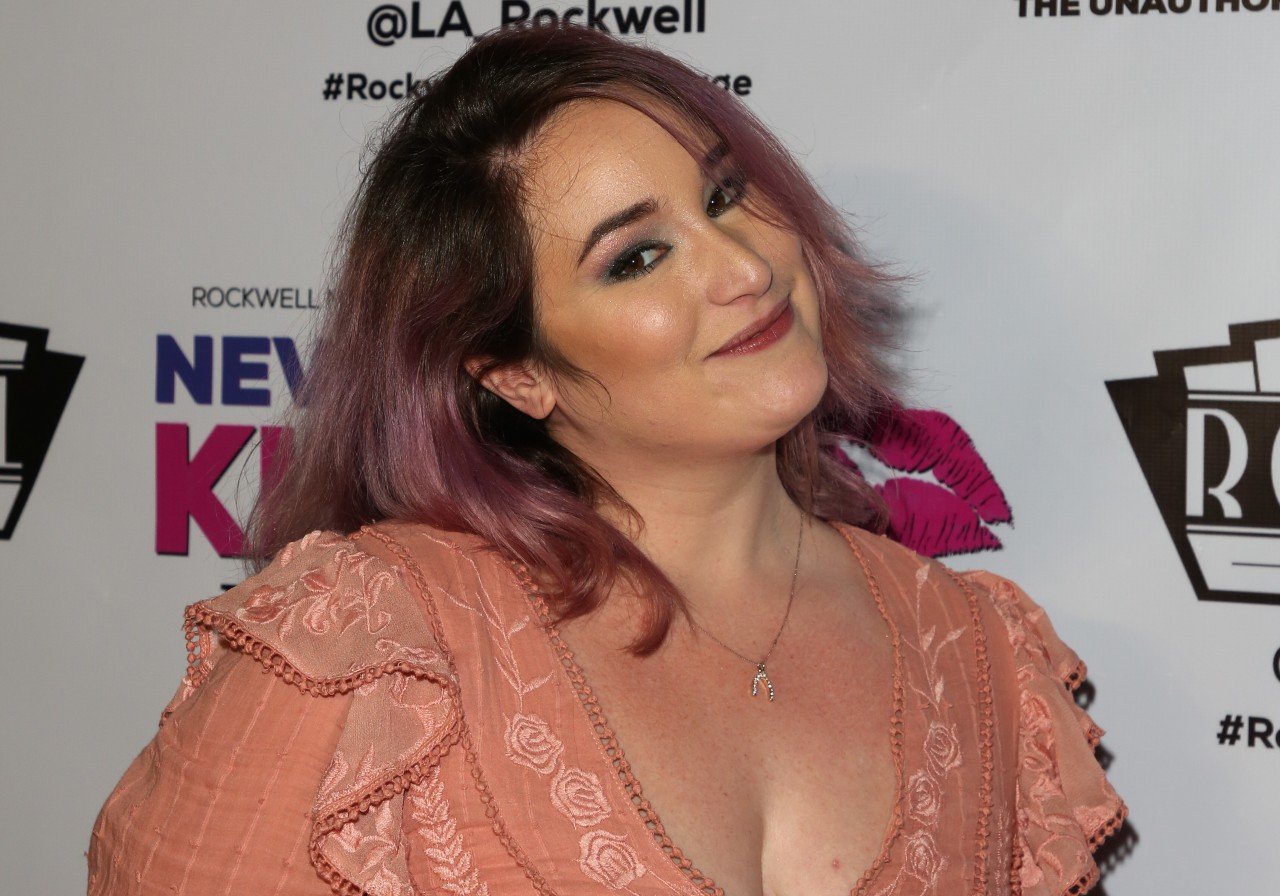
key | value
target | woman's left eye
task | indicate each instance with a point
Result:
(726, 194)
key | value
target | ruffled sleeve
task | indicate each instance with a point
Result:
(1065, 805)
(316, 692)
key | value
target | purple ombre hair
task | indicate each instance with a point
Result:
(436, 268)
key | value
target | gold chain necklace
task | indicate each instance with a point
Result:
(762, 676)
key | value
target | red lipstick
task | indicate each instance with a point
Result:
(762, 334)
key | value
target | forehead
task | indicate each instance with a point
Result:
(594, 157)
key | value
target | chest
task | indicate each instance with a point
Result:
(869, 772)
(793, 795)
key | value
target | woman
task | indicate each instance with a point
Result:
(563, 485)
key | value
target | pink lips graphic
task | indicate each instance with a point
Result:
(951, 516)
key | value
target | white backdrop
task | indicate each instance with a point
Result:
(1072, 194)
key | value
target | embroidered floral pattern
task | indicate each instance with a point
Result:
(923, 796)
(608, 859)
(941, 747)
(333, 620)
(939, 844)
(451, 862)
(529, 741)
(923, 862)
(374, 847)
(577, 794)
(1062, 817)
(921, 870)
(265, 604)
(338, 595)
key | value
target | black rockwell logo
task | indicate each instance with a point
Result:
(35, 385)
(1206, 430)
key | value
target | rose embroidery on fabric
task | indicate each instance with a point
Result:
(923, 861)
(924, 796)
(608, 859)
(530, 742)
(264, 604)
(340, 596)
(941, 748)
(577, 793)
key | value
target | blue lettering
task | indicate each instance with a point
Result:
(288, 353)
(235, 370)
(172, 364)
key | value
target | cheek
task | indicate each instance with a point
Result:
(804, 293)
(644, 336)
(808, 308)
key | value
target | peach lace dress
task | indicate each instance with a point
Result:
(391, 713)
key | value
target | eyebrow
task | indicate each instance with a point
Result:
(641, 209)
(715, 154)
(628, 215)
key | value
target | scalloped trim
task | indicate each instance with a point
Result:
(1093, 733)
(491, 811)
(201, 614)
(1072, 679)
(986, 731)
(199, 617)
(1075, 676)
(648, 816)
(1087, 881)
(897, 719)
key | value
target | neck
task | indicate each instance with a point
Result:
(725, 532)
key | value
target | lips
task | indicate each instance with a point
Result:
(756, 328)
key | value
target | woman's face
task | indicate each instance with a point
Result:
(644, 268)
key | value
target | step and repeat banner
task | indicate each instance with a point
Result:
(1085, 194)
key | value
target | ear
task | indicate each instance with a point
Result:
(522, 385)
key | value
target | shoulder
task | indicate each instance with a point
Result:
(1004, 610)
(922, 587)
(1066, 806)
(336, 617)
(1030, 632)
(1017, 637)
(359, 702)
(330, 612)
(333, 611)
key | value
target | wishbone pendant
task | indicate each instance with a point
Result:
(761, 676)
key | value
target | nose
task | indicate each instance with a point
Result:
(737, 268)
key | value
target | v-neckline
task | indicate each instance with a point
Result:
(643, 811)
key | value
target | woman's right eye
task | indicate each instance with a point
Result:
(637, 262)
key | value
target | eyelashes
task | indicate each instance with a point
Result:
(732, 187)
(631, 263)
(624, 268)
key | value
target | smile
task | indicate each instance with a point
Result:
(772, 332)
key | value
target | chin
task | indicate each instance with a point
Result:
(793, 399)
